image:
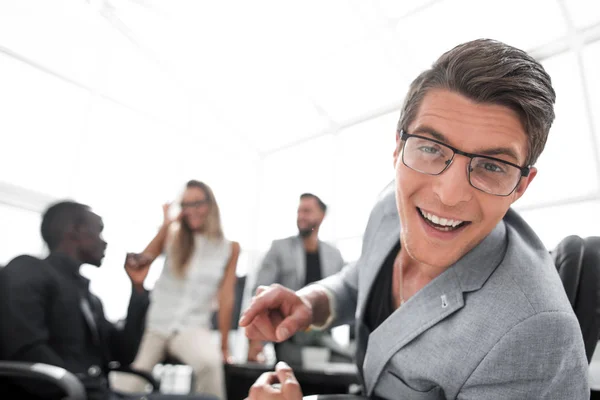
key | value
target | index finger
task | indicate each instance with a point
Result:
(266, 300)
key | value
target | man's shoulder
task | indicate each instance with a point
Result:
(328, 247)
(26, 262)
(524, 285)
(530, 268)
(288, 241)
(520, 296)
(384, 209)
(386, 202)
(27, 269)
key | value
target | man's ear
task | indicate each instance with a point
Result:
(321, 218)
(73, 232)
(524, 184)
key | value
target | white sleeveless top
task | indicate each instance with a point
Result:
(178, 303)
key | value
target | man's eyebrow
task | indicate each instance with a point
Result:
(500, 151)
(424, 129)
(494, 151)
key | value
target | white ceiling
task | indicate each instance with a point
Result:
(278, 71)
(270, 72)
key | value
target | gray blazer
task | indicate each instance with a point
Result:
(285, 263)
(495, 325)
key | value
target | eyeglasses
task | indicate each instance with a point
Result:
(193, 204)
(488, 174)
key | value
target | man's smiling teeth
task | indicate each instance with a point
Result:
(439, 220)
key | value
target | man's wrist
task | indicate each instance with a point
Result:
(318, 299)
(138, 287)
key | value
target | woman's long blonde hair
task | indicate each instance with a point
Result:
(183, 244)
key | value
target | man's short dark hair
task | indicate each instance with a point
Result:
(322, 205)
(60, 217)
(488, 71)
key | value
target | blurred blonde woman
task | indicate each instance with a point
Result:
(200, 266)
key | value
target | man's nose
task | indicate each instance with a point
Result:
(452, 186)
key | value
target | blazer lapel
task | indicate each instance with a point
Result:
(88, 315)
(326, 260)
(439, 299)
(299, 261)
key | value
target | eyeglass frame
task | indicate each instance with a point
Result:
(404, 136)
(194, 204)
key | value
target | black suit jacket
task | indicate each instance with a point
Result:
(49, 315)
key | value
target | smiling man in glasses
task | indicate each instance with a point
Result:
(454, 295)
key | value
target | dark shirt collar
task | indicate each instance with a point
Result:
(67, 265)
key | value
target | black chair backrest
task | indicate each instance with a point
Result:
(568, 257)
(3, 289)
(578, 263)
(587, 304)
(56, 376)
(240, 285)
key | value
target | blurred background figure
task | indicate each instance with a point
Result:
(49, 314)
(200, 266)
(295, 262)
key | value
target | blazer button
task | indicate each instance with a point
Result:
(94, 371)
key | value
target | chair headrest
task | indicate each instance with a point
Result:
(578, 263)
(587, 305)
(568, 258)
(592, 250)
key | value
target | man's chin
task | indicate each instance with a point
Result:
(97, 262)
(305, 232)
(432, 256)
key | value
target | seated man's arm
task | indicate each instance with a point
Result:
(540, 358)
(125, 338)
(27, 294)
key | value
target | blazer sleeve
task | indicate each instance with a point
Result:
(26, 296)
(342, 291)
(339, 259)
(269, 271)
(542, 357)
(342, 288)
(124, 338)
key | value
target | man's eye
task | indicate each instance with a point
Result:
(429, 149)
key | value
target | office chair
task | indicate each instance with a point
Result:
(56, 376)
(578, 263)
(240, 285)
(59, 377)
